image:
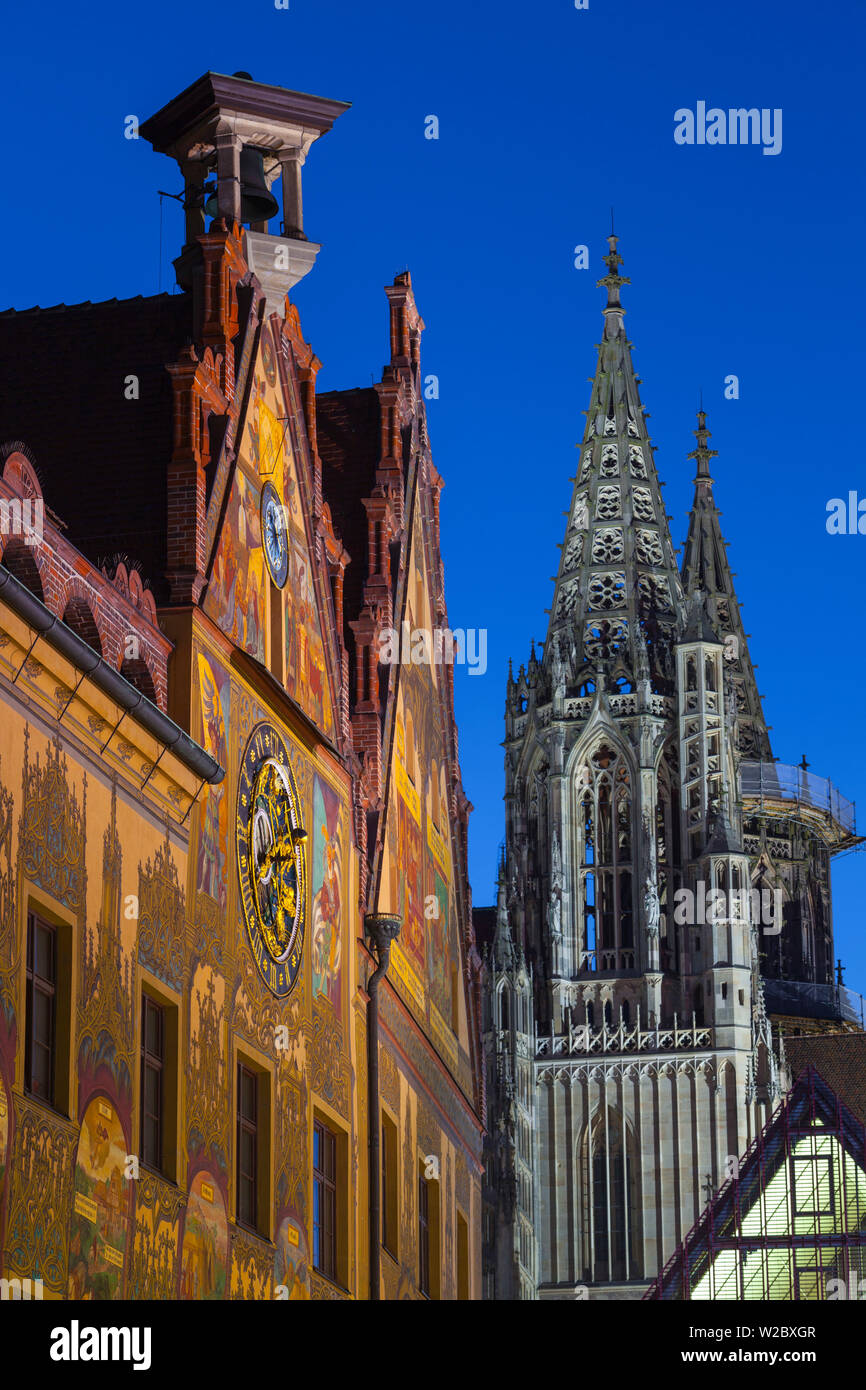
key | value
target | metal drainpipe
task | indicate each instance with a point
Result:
(381, 928)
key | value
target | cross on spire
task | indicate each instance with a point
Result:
(613, 281)
(702, 454)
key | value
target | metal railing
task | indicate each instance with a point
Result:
(785, 782)
(803, 999)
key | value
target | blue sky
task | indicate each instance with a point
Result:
(741, 263)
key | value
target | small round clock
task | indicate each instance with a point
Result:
(271, 859)
(275, 540)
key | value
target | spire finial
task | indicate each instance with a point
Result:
(702, 454)
(613, 281)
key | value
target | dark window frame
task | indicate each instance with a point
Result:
(46, 987)
(423, 1235)
(247, 1180)
(325, 1200)
(153, 1063)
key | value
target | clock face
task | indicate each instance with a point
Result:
(271, 859)
(275, 538)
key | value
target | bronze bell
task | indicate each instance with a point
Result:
(257, 202)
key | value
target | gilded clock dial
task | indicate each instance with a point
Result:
(271, 859)
(275, 538)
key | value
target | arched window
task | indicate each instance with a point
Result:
(79, 618)
(19, 561)
(609, 1207)
(625, 1013)
(604, 862)
(691, 674)
(137, 673)
(504, 1009)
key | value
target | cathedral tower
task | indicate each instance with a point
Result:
(628, 1052)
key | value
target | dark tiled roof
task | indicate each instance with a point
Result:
(102, 458)
(840, 1058)
(348, 434)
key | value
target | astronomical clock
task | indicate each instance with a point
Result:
(271, 859)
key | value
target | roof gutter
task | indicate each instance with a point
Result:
(110, 682)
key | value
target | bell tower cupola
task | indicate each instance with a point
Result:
(233, 140)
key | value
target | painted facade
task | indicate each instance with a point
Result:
(216, 852)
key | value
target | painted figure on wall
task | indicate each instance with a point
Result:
(409, 857)
(306, 676)
(327, 872)
(205, 1241)
(266, 434)
(292, 1261)
(212, 866)
(103, 1196)
(439, 947)
(235, 594)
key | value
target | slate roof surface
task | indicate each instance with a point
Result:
(840, 1058)
(102, 458)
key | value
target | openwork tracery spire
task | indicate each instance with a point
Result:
(617, 599)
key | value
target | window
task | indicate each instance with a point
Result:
(40, 1064)
(153, 1033)
(462, 1257)
(423, 1236)
(610, 1203)
(248, 1147)
(813, 1184)
(606, 892)
(428, 1234)
(324, 1201)
(390, 1185)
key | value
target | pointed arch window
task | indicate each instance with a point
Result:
(609, 1207)
(504, 1009)
(605, 834)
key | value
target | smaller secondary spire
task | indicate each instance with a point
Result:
(702, 454)
(613, 281)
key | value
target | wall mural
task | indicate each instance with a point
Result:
(235, 597)
(212, 863)
(292, 1260)
(267, 450)
(204, 1255)
(101, 1207)
(417, 869)
(327, 877)
(306, 676)
(438, 948)
(412, 885)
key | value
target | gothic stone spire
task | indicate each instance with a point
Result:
(618, 586)
(706, 569)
